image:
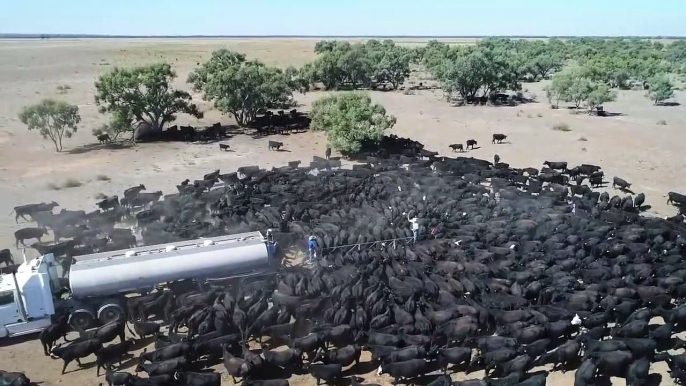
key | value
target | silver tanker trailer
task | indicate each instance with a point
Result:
(99, 283)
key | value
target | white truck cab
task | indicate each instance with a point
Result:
(26, 297)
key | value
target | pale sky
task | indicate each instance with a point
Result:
(346, 17)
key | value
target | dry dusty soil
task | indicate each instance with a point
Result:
(630, 143)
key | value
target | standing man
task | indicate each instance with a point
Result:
(415, 227)
(312, 246)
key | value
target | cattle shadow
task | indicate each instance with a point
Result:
(360, 368)
(283, 150)
(472, 148)
(128, 363)
(84, 366)
(644, 208)
(503, 143)
(626, 190)
(99, 146)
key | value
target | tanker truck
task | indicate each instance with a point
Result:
(97, 285)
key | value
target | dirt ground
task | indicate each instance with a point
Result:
(629, 143)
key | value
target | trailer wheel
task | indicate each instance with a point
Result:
(81, 320)
(110, 313)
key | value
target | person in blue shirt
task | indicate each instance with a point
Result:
(312, 246)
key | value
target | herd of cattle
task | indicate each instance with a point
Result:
(513, 269)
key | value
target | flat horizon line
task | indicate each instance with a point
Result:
(97, 36)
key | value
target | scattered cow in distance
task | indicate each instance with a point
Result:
(471, 143)
(104, 138)
(499, 138)
(275, 145)
(456, 147)
(224, 147)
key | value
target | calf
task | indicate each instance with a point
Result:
(456, 147)
(498, 138)
(676, 199)
(109, 203)
(28, 233)
(621, 183)
(102, 138)
(471, 143)
(106, 333)
(275, 145)
(112, 353)
(224, 147)
(595, 181)
(76, 351)
(6, 257)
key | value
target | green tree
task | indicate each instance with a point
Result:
(52, 119)
(242, 88)
(144, 93)
(120, 123)
(572, 84)
(599, 94)
(350, 119)
(660, 89)
(544, 63)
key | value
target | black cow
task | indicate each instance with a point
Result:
(29, 209)
(143, 329)
(76, 351)
(676, 199)
(275, 145)
(53, 332)
(170, 366)
(109, 203)
(556, 165)
(456, 147)
(327, 153)
(405, 370)
(224, 147)
(471, 143)
(132, 192)
(498, 138)
(199, 379)
(119, 378)
(143, 199)
(325, 372)
(28, 233)
(616, 181)
(13, 379)
(102, 138)
(172, 351)
(112, 353)
(6, 257)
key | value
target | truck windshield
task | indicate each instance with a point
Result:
(6, 298)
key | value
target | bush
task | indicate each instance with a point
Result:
(539, 115)
(53, 119)
(662, 122)
(661, 88)
(562, 127)
(350, 120)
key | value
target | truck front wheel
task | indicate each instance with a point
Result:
(81, 320)
(110, 313)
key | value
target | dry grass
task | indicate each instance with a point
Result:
(662, 122)
(562, 127)
(102, 177)
(539, 115)
(583, 139)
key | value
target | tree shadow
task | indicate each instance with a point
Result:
(609, 114)
(669, 104)
(98, 146)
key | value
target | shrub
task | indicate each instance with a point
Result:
(539, 115)
(583, 139)
(102, 177)
(562, 127)
(662, 122)
(54, 120)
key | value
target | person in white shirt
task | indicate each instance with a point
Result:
(415, 227)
